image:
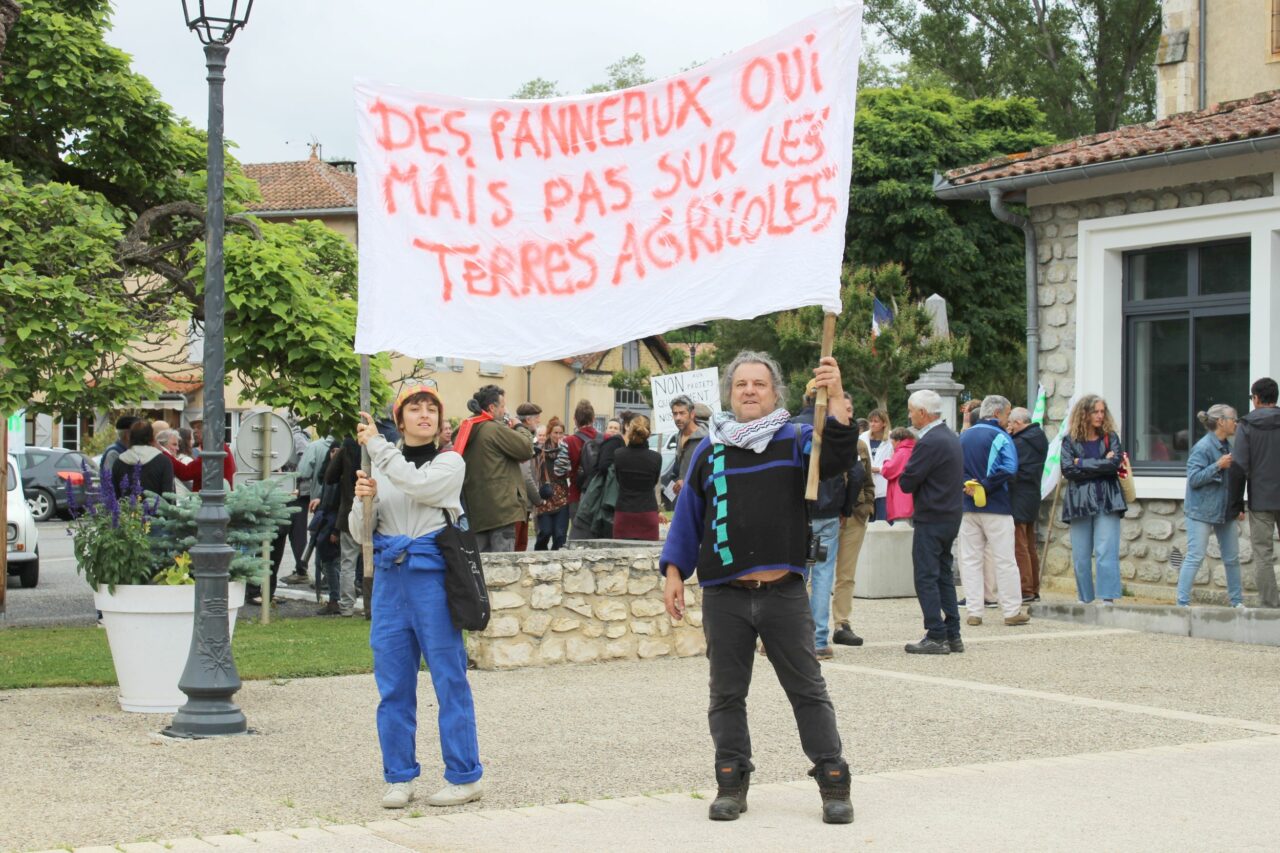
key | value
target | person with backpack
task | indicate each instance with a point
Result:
(584, 433)
(599, 482)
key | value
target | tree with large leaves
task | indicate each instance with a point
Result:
(903, 137)
(1089, 64)
(90, 153)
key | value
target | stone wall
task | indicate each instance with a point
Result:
(1152, 528)
(581, 606)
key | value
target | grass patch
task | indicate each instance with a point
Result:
(287, 648)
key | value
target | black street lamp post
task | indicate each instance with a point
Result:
(210, 679)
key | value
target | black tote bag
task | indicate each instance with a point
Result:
(464, 584)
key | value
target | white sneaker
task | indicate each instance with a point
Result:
(398, 795)
(456, 795)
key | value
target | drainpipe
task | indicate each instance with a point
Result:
(1033, 297)
(568, 388)
(1201, 50)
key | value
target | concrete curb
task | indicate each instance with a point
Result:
(1228, 624)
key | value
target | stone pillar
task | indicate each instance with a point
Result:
(938, 378)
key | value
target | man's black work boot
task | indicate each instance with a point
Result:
(833, 784)
(732, 781)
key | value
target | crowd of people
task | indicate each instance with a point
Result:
(741, 525)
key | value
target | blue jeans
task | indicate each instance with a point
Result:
(822, 578)
(553, 528)
(411, 621)
(1197, 541)
(931, 562)
(1096, 536)
(882, 510)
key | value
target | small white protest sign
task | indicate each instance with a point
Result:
(700, 386)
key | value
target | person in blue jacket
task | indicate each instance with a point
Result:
(986, 528)
(1206, 505)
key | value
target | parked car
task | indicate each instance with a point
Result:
(21, 536)
(47, 475)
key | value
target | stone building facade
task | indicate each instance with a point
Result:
(1157, 277)
(1153, 533)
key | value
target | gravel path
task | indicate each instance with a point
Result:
(90, 774)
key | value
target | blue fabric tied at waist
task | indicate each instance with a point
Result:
(420, 553)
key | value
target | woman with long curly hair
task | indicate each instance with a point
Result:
(1094, 503)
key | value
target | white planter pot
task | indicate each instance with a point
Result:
(149, 631)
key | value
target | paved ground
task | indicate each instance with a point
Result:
(1172, 743)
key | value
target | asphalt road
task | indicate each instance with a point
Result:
(62, 597)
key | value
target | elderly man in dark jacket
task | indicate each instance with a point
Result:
(935, 476)
(1024, 492)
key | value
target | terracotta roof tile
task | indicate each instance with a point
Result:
(1225, 122)
(302, 185)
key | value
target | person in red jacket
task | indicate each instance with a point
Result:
(898, 504)
(192, 473)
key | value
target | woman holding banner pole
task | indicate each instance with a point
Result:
(413, 487)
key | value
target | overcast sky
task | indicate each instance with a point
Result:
(290, 71)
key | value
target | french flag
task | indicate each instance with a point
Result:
(880, 317)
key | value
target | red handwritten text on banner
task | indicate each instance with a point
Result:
(522, 230)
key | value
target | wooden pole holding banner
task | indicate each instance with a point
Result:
(366, 537)
(820, 411)
(1048, 534)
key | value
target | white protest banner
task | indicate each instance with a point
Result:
(700, 386)
(518, 231)
(1052, 473)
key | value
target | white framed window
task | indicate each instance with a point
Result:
(491, 368)
(231, 420)
(69, 432)
(1104, 245)
(1186, 346)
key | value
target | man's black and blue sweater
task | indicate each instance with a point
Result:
(742, 512)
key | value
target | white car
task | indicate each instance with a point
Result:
(21, 535)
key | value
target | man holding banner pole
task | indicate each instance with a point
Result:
(742, 524)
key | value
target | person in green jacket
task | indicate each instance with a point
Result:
(493, 491)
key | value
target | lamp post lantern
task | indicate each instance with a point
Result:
(210, 679)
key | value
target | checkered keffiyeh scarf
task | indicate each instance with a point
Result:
(751, 435)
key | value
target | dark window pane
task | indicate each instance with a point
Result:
(1160, 373)
(1222, 364)
(1158, 275)
(1224, 268)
